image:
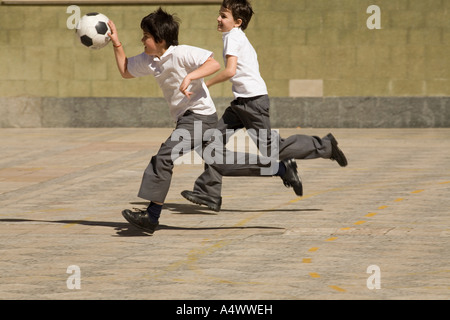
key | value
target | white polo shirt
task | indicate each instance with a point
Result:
(247, 82)
(169, 71)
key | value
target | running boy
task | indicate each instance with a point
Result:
(179, 71)
(250, 109)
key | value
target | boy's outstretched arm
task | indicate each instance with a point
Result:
(121, 58)
(208, 68)
(226, 74)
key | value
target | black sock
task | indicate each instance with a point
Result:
(281, 169)
(154, 212)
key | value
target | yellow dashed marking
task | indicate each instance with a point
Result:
(368, 215)
(306, 196)
(338, 288)
(70, 225)
(75, 223)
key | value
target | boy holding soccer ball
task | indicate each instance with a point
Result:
(179, 71)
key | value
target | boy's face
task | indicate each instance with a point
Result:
(152, 48)
(226, 22)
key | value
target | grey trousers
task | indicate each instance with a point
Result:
(186, 137)
(253, 113)
(199, 133)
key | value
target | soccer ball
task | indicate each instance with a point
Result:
(93, 29)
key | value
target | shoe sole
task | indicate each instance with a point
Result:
(298, 191)
(195, 200)
(125, 215)
(343, 160)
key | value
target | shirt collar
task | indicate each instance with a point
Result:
(234, 30)
(166, 54)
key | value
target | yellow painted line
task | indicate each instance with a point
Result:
(243, 222)
(195, 255)
(370, 214)
(314, 194)
(68, 225)
(338, 288)
(304, 197)
(44, 211)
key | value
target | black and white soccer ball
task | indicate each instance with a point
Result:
(93, 29)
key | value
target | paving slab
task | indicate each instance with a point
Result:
(378, 229)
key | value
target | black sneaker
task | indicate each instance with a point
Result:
(140, 220)
(291, 178)
(336, 153)
(203, 199)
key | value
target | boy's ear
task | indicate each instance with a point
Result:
(238, 23)
(163, 44)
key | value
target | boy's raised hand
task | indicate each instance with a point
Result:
(113, 34)
(119, 53)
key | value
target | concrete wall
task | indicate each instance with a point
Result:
(326, 112)
(307, 48)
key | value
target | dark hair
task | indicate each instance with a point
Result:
(162, 26)
(240, 9)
